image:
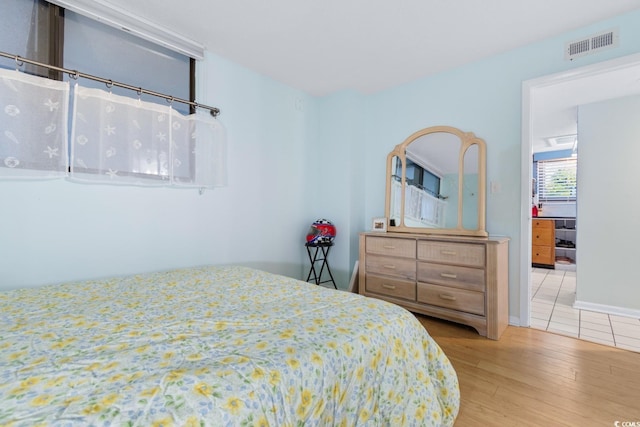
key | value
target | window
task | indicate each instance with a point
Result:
(557, 179)
(41, 31)
(30, 28)
(422, 178)
(47, 33)
(422, 202)
(100, 50)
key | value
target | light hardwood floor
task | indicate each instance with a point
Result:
(535, 378)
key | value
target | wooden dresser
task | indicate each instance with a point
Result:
(462, 279)
(543, 242)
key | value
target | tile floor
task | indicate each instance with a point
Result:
(552, 296)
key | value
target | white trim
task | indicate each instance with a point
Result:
(608, 309)
(202, 83)
(514, 321)
(526, 167)
(114, 16)
(528, 87)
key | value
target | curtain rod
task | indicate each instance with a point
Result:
(75, 74)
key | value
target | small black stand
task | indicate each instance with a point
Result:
(323, 249)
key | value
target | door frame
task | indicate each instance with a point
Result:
(526, 167)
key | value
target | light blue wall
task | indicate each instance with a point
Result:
(449, 187)
(56, 231)
(335, 176)
(486, 98)
(292, 158)
(608, 204)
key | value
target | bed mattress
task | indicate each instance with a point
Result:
(216, 346)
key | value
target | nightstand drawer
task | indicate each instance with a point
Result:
(452, 253)
(452, 275)
(456, 299)
(405, 248)
(398, 267)
(391, 287)
(542, 255)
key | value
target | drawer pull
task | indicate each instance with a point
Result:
(389, 247)
(449, 275)
(390, 266)
(453, 253)
(387, 286)
(447, 297)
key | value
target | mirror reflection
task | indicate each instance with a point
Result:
(470, 189)
(436, 183)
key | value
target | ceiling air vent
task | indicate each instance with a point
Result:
(589, 45)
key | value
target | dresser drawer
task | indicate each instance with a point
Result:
(391, 287)
(456, 299)
(542, 255)
(452, 275)
(540, 224)
(461, 279)
(397, 267)
(405, 248)
(452, 253)
(542, 237)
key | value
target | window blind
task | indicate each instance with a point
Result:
(557, 179)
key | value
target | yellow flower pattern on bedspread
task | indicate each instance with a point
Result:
(216, 346)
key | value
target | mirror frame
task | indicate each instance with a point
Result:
(467, 140)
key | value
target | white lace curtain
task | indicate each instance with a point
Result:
(423, 207)
(114, 139)
(419, 206)
(33, 126)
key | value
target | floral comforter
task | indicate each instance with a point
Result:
(216, 346)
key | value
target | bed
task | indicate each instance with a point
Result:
(218, 346)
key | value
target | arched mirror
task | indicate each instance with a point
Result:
(436, 183)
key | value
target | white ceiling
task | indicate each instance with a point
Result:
(554, 108)
(366, 45)
(370, 45)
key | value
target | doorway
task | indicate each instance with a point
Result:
(604, 82)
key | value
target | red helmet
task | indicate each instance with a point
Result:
(322, 231)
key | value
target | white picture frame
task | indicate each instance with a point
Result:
(379, 224)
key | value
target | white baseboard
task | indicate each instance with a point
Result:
(608, 309)
(514, 321)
